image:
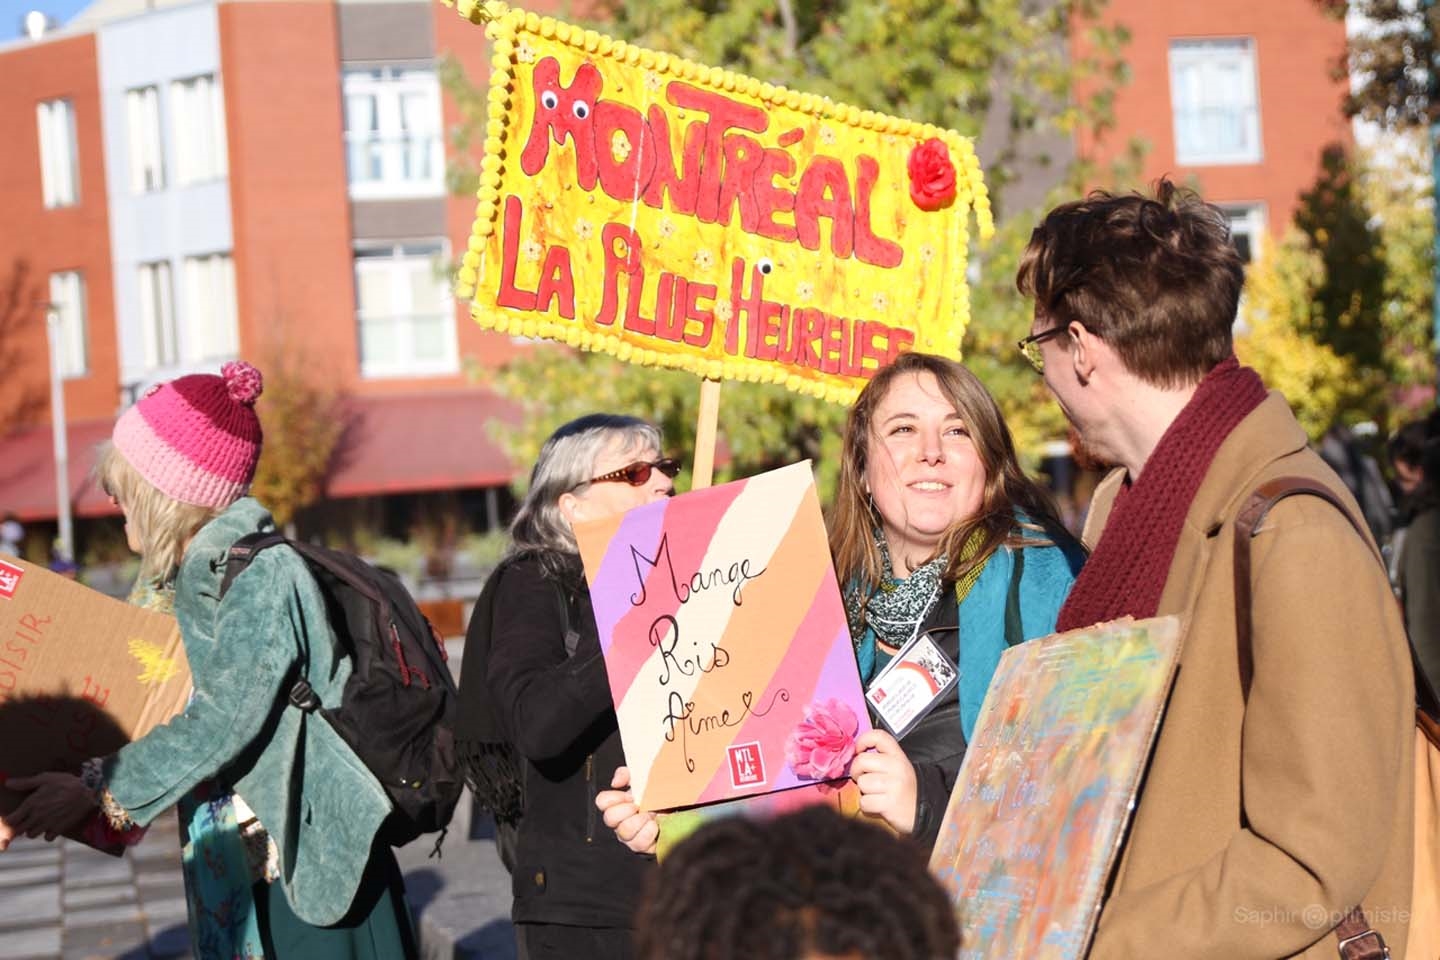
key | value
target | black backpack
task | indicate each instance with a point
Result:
(397, 711)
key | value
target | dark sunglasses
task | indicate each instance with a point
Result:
(638, 473)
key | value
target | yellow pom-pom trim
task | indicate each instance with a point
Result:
(939, 333)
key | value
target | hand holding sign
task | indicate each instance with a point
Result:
(722, 628)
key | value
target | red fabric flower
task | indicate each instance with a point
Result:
(823, 744)
(932, 175)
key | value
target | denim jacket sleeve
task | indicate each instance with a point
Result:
(241, 652)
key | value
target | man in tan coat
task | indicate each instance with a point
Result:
(1264, 817)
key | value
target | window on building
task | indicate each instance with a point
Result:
(406, 316)
(1213, 95)
(1247, 229)
(392, 132)
(59, 169)
(142, 113)
(67, 299)
(157, 315)
(197, 109)
(210, 327)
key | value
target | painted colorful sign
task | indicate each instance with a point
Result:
(726, 644)
(685, 216)
(1037, 815)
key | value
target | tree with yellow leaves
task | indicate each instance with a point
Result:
(1279, 309)
(303, 423)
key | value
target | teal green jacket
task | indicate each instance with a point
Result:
(317, 800)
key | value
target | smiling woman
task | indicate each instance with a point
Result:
(936, 530)
(536, 733)
(940, 539)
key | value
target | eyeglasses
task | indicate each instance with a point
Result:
(638, 473)
(1030, 347)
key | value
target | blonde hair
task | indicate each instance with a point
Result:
(162, 524)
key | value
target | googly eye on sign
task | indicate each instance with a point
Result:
(680, 215)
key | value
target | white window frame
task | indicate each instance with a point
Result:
(393, 132)
(157, 315)
(197, 114)
(59, 155)
(67, 299)
(1209, 62)
(1247, 220)
(147, 152)
(399, 260)
(211, 328)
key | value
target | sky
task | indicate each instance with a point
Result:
(12, 13)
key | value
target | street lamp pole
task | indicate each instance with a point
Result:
(59, 433)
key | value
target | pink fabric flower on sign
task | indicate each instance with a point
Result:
(932, 175)
(822, 745)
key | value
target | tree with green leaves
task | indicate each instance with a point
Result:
(933, 60)
(1337, 315)
(1390, 61)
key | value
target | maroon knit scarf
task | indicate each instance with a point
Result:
(1126, 574)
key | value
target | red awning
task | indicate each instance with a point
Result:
(27, 471)
(414, 443)
(411, 443)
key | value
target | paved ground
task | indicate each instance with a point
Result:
(64, 901)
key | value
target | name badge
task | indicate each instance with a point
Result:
(910, 685)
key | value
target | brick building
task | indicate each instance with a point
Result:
(1235, 97)
(188, 182)
(197, 181)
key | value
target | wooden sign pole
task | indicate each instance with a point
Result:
(705, 428)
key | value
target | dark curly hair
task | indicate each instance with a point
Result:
(806, 884)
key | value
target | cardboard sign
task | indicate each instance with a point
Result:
(1037, 815)
(81, 674)
(685, 216)
(721, 625)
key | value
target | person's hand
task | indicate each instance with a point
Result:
(885, 778)
(7, 833)
(637, 829)
(57, 803)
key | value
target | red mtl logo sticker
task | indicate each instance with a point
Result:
(10, 576)
(747, 768)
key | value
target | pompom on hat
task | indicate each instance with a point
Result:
(197, 438)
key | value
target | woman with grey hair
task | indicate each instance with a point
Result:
(536, 732)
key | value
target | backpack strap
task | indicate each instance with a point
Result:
(243, 551)
(1354, 937)
(1014, 626)
(237, 560)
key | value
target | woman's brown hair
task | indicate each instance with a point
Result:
(853, 518)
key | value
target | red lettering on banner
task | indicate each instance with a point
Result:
(509, 294)
(695, 313)
(563, 113)
(722, 116)
(868, 247)
(557, 281)
(825, 192)
(684, 189)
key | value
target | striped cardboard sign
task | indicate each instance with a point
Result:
(721, 622)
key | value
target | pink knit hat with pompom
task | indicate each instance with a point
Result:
(196, 439)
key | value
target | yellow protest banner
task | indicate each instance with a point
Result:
(685, 216)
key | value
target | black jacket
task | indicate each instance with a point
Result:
(556, 708)
(936, 746)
